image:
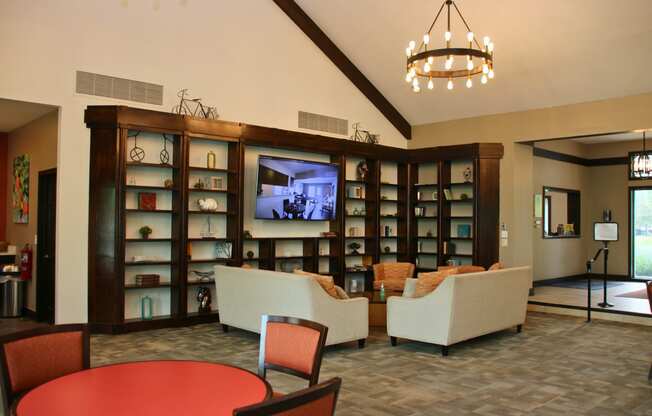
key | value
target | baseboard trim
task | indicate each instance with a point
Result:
(28, 313)
(594, 276)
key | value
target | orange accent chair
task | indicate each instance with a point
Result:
(392, 275)
(319, 400)
(36, 356)
(292, 346)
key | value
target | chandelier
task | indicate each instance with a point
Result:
(423, 61)
(640, 163)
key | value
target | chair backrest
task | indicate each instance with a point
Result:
(649, 293)
(292, 346)
(386, 271)
(33, 357)
(319, 400)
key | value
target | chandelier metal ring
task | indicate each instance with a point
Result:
(420, 62)
(453, 73)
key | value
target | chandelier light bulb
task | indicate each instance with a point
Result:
(431, 60)
(485, 68)
(413, 72)
(408, 78)
(408, 51)
(469, 36)
(416, 88)
(486, 41)
(412, 45)
(450, 84)
(426, 67)
(449, 63)
(448, 36)
(469, 83)
(491, 74)
(469, 64)
(483, 79)
(490, 47)
(431, 84)
(426, 38)
(415, 82)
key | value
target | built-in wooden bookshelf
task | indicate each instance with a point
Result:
(397, 181)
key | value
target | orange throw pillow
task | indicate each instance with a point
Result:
(496, 266)
(469, 269)
(428, 282)
(326, 282)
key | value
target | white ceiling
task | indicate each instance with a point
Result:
(15, 114)
(548, 53)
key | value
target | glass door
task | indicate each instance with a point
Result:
(641, 232)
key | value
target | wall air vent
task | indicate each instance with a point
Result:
(120, 88)
(326, 124)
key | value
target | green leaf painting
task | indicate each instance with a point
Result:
(20, 194)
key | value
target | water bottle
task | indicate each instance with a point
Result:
(146, 308)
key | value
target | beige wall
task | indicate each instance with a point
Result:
(560, 257)
(37, 139)
(517, 187)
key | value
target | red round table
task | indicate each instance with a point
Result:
(147, 388)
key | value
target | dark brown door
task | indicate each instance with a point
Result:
(46, 232)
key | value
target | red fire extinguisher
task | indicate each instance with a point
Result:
(26, 262)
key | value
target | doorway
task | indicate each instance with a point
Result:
(640, 233)
(45, 248)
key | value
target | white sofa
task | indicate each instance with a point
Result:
(244, 295)
(462, 307)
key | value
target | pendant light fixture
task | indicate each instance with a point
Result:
(425, 62)
(640, 164)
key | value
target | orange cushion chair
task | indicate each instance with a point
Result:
(392, 275)
(291, 345)
(36, 356)
(319, 400)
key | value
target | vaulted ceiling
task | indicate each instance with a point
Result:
(548, 53)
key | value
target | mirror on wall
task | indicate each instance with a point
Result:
(561, 213)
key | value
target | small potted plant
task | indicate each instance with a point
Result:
(145, 231)
(354, 246)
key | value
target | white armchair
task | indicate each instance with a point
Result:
(462, 307)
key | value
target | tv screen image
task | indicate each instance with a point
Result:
(292, 189)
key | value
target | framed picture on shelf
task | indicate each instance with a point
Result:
(147, 201)
(216, 183)
(464, 230)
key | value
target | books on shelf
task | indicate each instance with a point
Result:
(148, 280)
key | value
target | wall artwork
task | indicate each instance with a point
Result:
(20, 193)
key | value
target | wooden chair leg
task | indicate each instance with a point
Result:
(361, 343)
(393, 341)
(519, 328)
(225, 328)
(444, 350)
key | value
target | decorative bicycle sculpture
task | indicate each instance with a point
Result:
(194, 107)
(364, 136)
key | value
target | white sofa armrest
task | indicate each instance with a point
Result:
(334, 313)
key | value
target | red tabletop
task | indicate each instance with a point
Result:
(156, 388)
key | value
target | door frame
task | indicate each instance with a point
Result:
(630, 225)
(39, 288)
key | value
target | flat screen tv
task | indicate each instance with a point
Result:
(292, 189)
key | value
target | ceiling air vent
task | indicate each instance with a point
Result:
(326, 124)
(120, 88)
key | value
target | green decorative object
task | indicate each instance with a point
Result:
(146, 308)
(145, 231)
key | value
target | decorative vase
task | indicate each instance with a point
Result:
(146, 306)
(210, 160)
(250, 254)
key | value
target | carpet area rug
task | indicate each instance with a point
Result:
(558, 365)
(637, 294)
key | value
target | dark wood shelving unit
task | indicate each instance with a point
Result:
(112, 236)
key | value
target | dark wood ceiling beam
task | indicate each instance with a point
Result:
(319, 38)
